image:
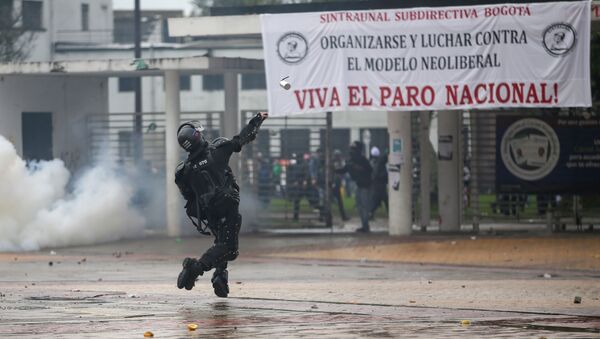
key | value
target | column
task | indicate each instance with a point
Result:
(172, 111)
(425, 170)
(230, 124)
(449, 169)
(400, 175)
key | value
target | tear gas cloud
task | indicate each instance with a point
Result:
(37, 210)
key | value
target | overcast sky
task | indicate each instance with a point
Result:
(155, 4)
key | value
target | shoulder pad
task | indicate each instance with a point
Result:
(180, 170)
(220, 141)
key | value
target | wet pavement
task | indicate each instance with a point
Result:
(124, 289)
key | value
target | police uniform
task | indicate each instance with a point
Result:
(207, 183)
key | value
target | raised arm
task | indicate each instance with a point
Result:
(248, 133)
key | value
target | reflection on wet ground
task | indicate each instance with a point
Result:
(123, 316)
(122, 297)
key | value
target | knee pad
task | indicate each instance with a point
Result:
(238, 222)
(231, 256)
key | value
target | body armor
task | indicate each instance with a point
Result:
(207, 183)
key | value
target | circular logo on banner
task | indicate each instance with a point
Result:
(559, 39)
(530, 149)
(292, 47)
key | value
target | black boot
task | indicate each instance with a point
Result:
(219, 282)
(192, 268)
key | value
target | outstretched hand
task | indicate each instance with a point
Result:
(264, 115)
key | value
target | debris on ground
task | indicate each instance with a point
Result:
(429, 282)
(52, 253)
(192, 327)
(453, 243)
(314, 307)
(117, 254)
(473, 238)
(50, 263)
(148, 334)
(412, 301)
(547, 275)
(84, 260)
(238, 282)
(463, 286)
(465, 322)
(577, 300)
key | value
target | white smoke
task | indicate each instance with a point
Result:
(37, 211)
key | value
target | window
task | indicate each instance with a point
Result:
(379, 138)
(32, 15)
(85, 17)
(254, 81)
(295, 141)
(127, 84)
(6, 12)
(340, 139)
(125, 145)
(185, 83)
(213, 82)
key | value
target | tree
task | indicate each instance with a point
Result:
(14, 38)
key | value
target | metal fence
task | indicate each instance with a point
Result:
(112, 135)
(484, 204)
(288, 171)
(265, 163)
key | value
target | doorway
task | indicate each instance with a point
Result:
(37, 136)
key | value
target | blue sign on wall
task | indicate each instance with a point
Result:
(548, 154)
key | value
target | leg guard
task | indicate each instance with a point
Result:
(226, 245)
(192, 268)
(220, 281)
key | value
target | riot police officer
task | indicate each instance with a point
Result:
(207, 183)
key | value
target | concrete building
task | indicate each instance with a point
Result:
(91, 30)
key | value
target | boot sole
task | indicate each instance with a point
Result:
(183, 280)
(220, 290)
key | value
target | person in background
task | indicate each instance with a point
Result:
(466, 184)
(264, 180)
(316, 174)
(360, 171)
(380, 180)
(338, 162)
(296, 180)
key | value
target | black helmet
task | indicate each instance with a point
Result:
(357, 147)
(191, 137)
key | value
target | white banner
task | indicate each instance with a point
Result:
(525, 55)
